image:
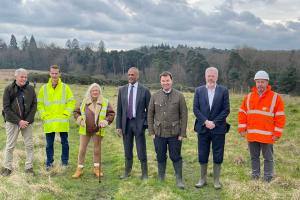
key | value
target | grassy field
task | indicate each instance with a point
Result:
(58, 184)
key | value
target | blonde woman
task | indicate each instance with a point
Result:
(93, 116)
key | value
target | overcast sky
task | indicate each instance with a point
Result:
(128, 24)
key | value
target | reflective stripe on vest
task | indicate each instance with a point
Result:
(260, 112)
(70, 110)
(278, 129)
(56, 120)
(259, 131)
(279, 113)
(270, 113)
(273, 103)
(63, 95)
(248, 101)
(242, 125)
(70, 99)
(241, 110)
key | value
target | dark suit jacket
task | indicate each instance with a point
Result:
(142, 100)
(218, 113)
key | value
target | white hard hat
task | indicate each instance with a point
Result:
(261, 75)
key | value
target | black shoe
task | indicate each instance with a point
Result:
(255, 177)
(30, 171)
(267, 179)
(6, 172)
(49, 167)
(128, 168)
(124, 176)
(64, 164)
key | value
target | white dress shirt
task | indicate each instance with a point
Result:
(134, 97)
(211, 94)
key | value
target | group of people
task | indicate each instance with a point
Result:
(261, 120)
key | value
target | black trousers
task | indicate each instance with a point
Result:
(218, 143)
(162, 144)
(131, 132)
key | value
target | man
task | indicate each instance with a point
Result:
(132, 108)
(19, 107)
(261, 121)
(56, 104)
(167, 120)
(211, 107)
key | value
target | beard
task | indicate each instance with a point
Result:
(261, 90)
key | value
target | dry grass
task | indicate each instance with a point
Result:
(8, 74)
(58, 184)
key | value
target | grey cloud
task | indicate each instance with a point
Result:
(176, 15)
(295, 25)
(62, 14)
(255, 1)
(147, 22)
(250, 18)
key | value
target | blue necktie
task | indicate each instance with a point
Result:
(130, 104)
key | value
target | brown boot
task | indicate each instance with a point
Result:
(98, 171)
(78, 172)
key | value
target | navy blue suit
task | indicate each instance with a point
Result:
(219, 111)
(134, 128)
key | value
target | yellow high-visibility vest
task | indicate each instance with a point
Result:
(55, 106)
(102, 116)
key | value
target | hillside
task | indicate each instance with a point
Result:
(236, 66)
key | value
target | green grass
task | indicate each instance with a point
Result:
(58, 183)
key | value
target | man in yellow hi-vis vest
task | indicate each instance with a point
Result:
(55, 105)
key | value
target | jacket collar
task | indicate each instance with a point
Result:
(135, 84)
(50, 82)
(14, 83)
(168, 92)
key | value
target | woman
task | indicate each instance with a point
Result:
(93, 116)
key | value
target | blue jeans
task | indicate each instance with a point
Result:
(64, 148)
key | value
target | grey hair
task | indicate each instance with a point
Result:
(136, 70)
(88, 92)
(21, 71)
(212, 69)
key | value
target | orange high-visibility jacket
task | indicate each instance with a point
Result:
(262, 116)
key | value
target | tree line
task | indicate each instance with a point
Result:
(236, 66)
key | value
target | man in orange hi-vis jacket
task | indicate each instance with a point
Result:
(261, 120)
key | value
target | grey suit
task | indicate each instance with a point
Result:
(134, 127)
